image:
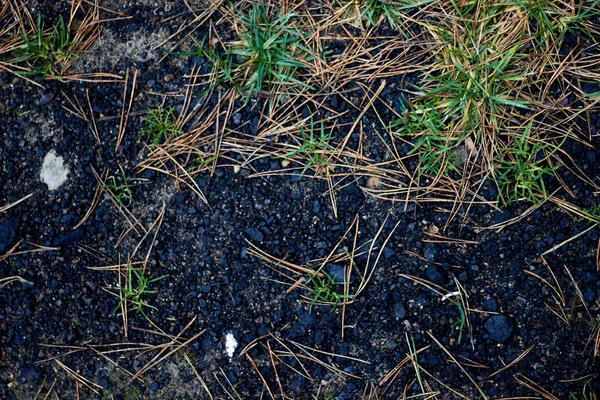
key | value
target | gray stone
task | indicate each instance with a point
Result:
(54, 173)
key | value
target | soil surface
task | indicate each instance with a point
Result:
(58, 325)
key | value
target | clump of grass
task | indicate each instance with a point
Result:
(313, 148)
(120, 190)
(271, 48)
(550, 20)
(371, 12)
(134, 291)
(487, 74)
(269, 56)
(434, 147)
(323, 290)
(522, 171)
(45, 52)
(160, 124)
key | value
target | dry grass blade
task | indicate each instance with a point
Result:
(231, 396)
(202, 382)
(262, 378)
(513, 362)
(160, 357)
(36, 249)
(391, 376)
(194, 24)
(78, 111)
(133, 222)
(95, 200)
(11, 279)
(275, 370)
(572, 238)
(125, 113)
(558, 296)
(9, 206)
(481, 392)
(319, 287)
(83, 381)
(530, 384)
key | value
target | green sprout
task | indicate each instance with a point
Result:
(323, 290)
(312, 148)
(121, 191)
(160, 124)
(136, 288)
(587, 393)
(462, 319)
(436, 150)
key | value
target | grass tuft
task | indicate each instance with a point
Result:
(134, 291)
(121, 191)
(522, 171)
(47, 53)
(323, 291)
(269, 56)
(313, 148)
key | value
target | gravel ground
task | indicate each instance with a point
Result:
(213, 281)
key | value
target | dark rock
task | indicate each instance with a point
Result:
(29, 373)
(8, 229)
(68, 238)
(399, 311)
(499, 328)
(254, 234)
(589, 295)
(433, 274)
(430, 252)
(491, 305)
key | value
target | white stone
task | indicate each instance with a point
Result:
(230, 344)
(54, 171)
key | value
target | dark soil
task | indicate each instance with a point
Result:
(211, 277)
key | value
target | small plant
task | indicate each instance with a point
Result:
(136, 287)
(268, 56)
(323, 290)
(222, 64)
(200, 164)
(160, 125)
(271, 48)
(373, 11)
(591, 214)
(461, 321)
(312, 148)
(436, 149)
(47, 53)
(587, 393)
(121, 191)
(522, 172)
(552, 20)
